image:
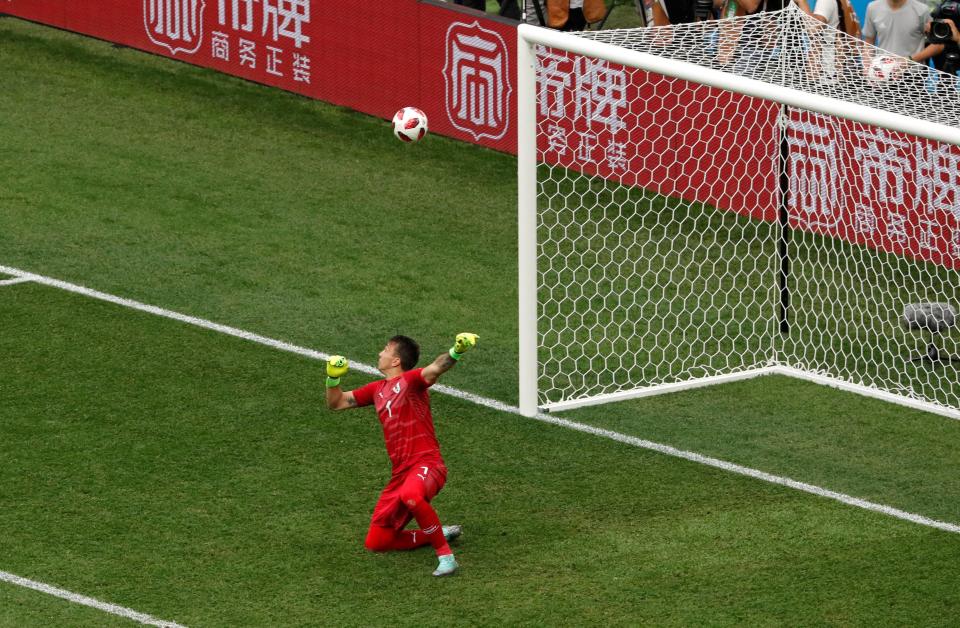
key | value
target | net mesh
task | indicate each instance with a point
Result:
(792, 49)
(663, 245)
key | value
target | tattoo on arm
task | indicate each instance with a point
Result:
(438, 367)
(352, 402)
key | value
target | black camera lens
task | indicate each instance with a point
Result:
(940, 32)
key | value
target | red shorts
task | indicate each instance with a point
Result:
(425, 479)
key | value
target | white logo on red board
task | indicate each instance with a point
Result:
(814, 172)
(477, 78)
(177, 25)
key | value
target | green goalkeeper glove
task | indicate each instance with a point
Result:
(463, 343)
(337, 366)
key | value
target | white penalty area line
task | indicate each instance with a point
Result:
(10, 282)
(183, 318)
(113, 609)
(503, 407)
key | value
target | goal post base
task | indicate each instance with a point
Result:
(868, 391)
(787, 371)
(658, 389)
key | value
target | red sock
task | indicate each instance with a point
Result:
(430, 526)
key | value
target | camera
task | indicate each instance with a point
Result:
(940, 32)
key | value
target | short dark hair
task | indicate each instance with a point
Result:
(408, 350)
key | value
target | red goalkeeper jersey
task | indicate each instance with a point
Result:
(403, 405)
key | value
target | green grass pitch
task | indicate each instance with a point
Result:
(198, 478)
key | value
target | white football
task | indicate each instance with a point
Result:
(883, 68)
(410, 124)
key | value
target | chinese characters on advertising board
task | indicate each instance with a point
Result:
(863, 185)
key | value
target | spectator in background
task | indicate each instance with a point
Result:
(666, 12)
(576, 20)
(828, 12)
(833, 51)
(833, 12)
(744, 46)
(574, 15)
(508, 8)
(530, 12)
(898, 26)
(737, 8)
(479, 5)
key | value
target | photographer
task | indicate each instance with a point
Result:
(942, 31)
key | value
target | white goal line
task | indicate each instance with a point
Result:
(500, 406)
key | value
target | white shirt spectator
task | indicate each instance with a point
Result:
(829, 11)
(530, 13)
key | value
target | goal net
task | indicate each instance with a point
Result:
(713, 201)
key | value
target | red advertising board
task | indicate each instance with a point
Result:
(671, 136)
(455, 64)
(884, 190)
(469, 69)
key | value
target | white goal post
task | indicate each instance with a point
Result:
(697, 207)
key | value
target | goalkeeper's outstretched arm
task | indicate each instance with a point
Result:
(445, 361)
(337, 399)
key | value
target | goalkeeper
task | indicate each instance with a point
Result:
(403, 406)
